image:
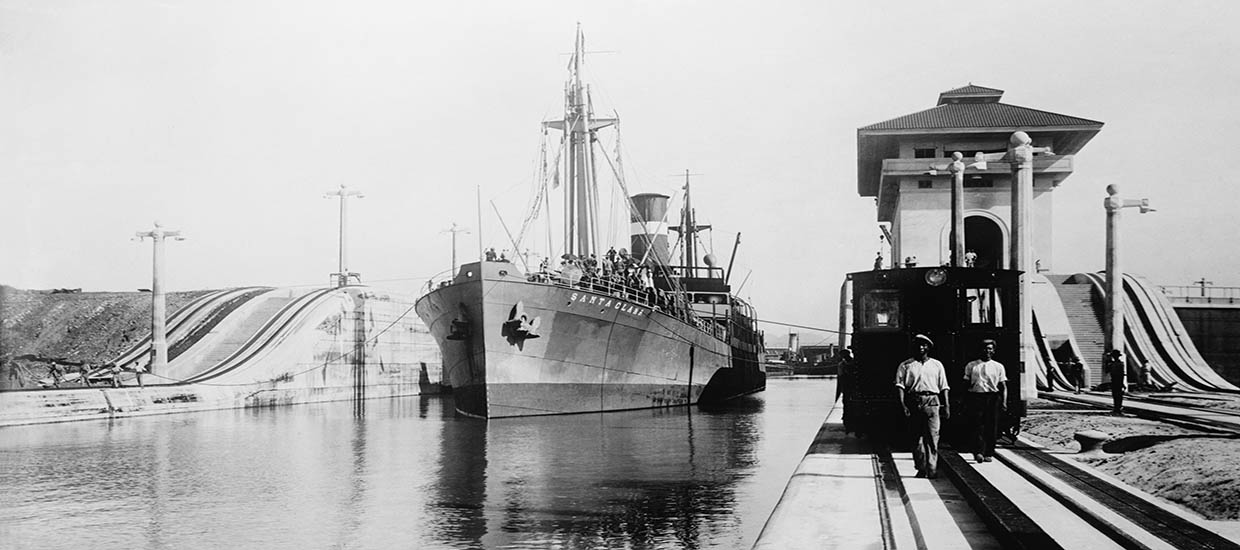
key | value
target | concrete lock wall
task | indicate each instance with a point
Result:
(351, 343)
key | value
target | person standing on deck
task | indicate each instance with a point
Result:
(987, 396)
(921, 386)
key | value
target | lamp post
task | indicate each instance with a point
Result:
(343, 275)
(159, 342)
(1115, 274)
(1202, 283)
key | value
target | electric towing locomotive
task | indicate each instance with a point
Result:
(958, 308)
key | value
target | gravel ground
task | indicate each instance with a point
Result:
(1199, 473)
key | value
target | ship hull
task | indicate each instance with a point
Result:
(587, 351)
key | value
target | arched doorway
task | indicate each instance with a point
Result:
(984, 237)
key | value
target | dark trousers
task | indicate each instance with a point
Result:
(1117, 395)
(924, 420)
(983, 410)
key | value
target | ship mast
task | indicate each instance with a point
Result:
(581, 218)
(688, 231)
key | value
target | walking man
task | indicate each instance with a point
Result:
(1118, 369)
(921, 386)
(987, 396)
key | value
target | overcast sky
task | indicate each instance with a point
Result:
(228, 120)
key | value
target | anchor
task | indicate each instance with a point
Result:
(519, 326)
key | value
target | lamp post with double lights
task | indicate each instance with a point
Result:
(1114, 205)
(343, 274)
(159, 342)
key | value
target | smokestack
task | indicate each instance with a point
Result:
(648, 227)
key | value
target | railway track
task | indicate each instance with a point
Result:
(1029, 498)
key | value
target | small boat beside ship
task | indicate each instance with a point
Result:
(607, 330)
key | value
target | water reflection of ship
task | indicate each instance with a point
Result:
(608, 330)
(639, 477)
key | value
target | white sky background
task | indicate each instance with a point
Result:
(228, 120)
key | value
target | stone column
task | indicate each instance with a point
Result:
(1020, 155)
(1114, 334)
(957, 170)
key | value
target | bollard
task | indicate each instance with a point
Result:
(1091, 441)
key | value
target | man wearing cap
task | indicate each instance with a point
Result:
(987, 380)
(921, 386)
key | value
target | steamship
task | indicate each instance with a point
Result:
(598, 331)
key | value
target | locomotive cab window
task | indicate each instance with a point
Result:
(983, 307)
(881, 309)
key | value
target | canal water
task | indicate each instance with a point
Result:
(408, 473)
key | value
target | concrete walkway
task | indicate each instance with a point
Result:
(847, 494)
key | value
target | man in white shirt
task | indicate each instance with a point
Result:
(987, 396)
(921, 386)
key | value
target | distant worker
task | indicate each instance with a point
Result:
(878, 261)
(921, 386)
(490, 255)
(1147, 376)
(115, 371)
(845, 382)
(985, 400)
(1115, 366)
(970, 259)
(56, 374)
(1076, 373)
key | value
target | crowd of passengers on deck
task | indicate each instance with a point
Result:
(617, 273)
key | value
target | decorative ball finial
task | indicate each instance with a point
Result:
(1113, 189)
(1020, 138)
(709, 260)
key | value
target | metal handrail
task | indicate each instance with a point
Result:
(1197, 294)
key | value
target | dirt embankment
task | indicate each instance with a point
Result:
(1196, 470)
(41, 327)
